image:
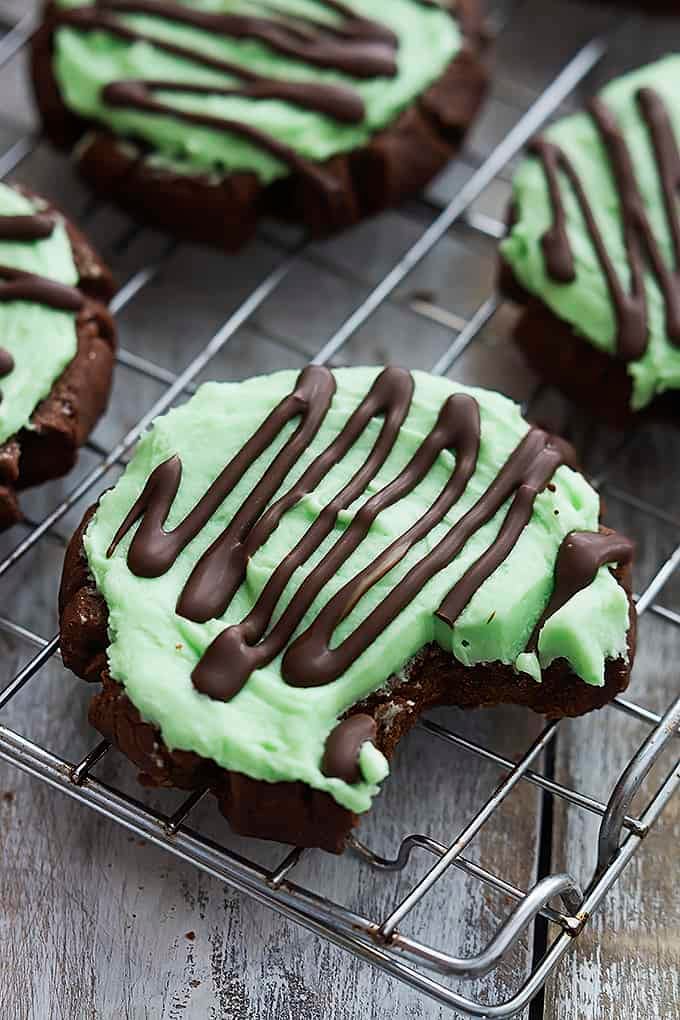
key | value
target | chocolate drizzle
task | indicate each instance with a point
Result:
(31, 227)
(354, 45)
(153, 550)
(642, 247)
(18, 285)
(308, 659)
(334, 100)
(21, 286)
(6, 362)
(6, 365)
(357, 46)
(581, 555)
(343, 746)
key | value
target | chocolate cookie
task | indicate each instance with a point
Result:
(271, 609)
(56, 344)
(201, 121)
(593, 249)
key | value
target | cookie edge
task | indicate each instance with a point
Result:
(292, 812)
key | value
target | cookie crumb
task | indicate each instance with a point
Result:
(191, 935)
(8, 797)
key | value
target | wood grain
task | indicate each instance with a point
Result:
(96, 925)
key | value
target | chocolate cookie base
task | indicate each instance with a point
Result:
(293, 812)
(395, 163)
(62, 421)
(593, 379)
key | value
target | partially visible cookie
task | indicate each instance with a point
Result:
(292, 569)
(56, 344)
(593, 249)
(201, 121)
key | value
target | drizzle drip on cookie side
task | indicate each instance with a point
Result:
(642, 246)
(17, 285)
(308, 659)
(343, 746)
(581, 555)
(358, 46)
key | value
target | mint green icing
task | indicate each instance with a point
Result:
(528, 662)
(585, 303)
(274, 732)
(372, 764)
(85, 62)
(41, 340)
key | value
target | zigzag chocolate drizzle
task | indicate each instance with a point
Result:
(309, 660)
(357, 46)
(6, 364)
(18, 285)
(641, 244)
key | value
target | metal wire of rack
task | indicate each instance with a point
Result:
(378, 941)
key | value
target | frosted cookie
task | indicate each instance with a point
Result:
(56, 344)
(292, 568)
(594, 248)
(201, 117)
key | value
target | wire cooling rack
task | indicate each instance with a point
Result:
(378, 940)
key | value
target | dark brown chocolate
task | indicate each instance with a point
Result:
(21, 286)
(6, 362)
(581, 555)
(341, 754)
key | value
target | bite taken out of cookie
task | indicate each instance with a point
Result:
(201, 121)
(293, 568)
(57, 344)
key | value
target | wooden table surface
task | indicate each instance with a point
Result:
(96, 924)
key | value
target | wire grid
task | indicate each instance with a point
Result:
(376, 940)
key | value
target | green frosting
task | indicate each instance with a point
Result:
(85, 62)
(585, 303)
(41, 340)
(274, 732)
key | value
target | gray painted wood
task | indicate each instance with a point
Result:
(95, 924)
